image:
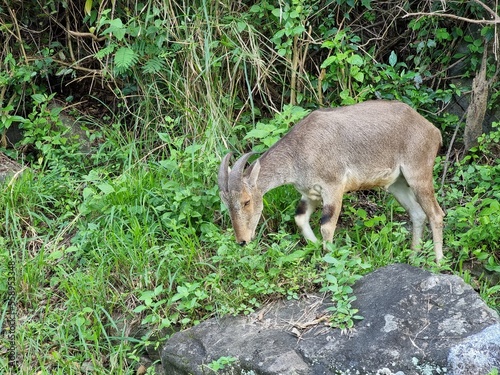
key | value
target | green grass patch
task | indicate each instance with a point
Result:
(98, 256)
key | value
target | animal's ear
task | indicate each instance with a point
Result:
(254, 173)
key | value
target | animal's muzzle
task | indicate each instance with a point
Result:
(242, 243)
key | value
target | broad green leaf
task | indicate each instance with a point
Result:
(367, 4)
(139, 309)
(260, 131)
(329, 61)
(88, 7)
(38, 98)
(329, 259)
(356, 74)
(393, 59)
(297, 30)
(191, 149)
(106, 188)
(158, 289)
(240, 25)
(355, 60)
(282, 52)
(277, 12)
(80, 321)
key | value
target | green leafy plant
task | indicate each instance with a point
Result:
(476, 217)
(345, 68)
(291, 17)
(6, 121)
(17, 84)
(472, 197)
(266, 134)
(343, 269)
(152, 303)
(43, 130)
(221, 363)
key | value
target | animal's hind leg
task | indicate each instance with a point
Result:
(426, 198)
(302, 215)
(406, 197)
(422, 186)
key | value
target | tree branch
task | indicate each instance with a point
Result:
(80, 34)
(452, 16)
(494, 15)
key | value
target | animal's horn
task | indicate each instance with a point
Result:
(238, 168)
(224, 173)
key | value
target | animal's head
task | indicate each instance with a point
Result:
(241, 195)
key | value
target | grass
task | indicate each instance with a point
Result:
(84, 263)
(101, 256)
(113, 254)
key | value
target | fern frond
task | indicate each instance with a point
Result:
(154, 65)
(125, 58)
(108, 50)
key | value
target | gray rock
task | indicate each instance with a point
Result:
(477, 354)
(8, 167)
(13, 135)
(415, 322)
(76, 132)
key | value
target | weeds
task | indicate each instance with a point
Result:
(142, 245)
(96, 253)
(341, 273)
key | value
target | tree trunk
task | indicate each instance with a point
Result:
(477, 106)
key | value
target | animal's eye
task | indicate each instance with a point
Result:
(246, 203)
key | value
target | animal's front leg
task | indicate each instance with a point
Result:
(302, 215)
(330, 216)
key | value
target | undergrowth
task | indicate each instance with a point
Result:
(101, 255)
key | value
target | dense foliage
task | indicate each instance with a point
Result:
(116, 234)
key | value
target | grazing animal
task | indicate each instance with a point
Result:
(332, 151)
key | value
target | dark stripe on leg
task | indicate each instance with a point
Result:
(327, 215)
(301, 208)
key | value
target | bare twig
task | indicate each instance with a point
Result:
(494, 21)
(488, 9)
(455, 17)
(448, 153)
(74, 65)
(18, 31)
(79, 34)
